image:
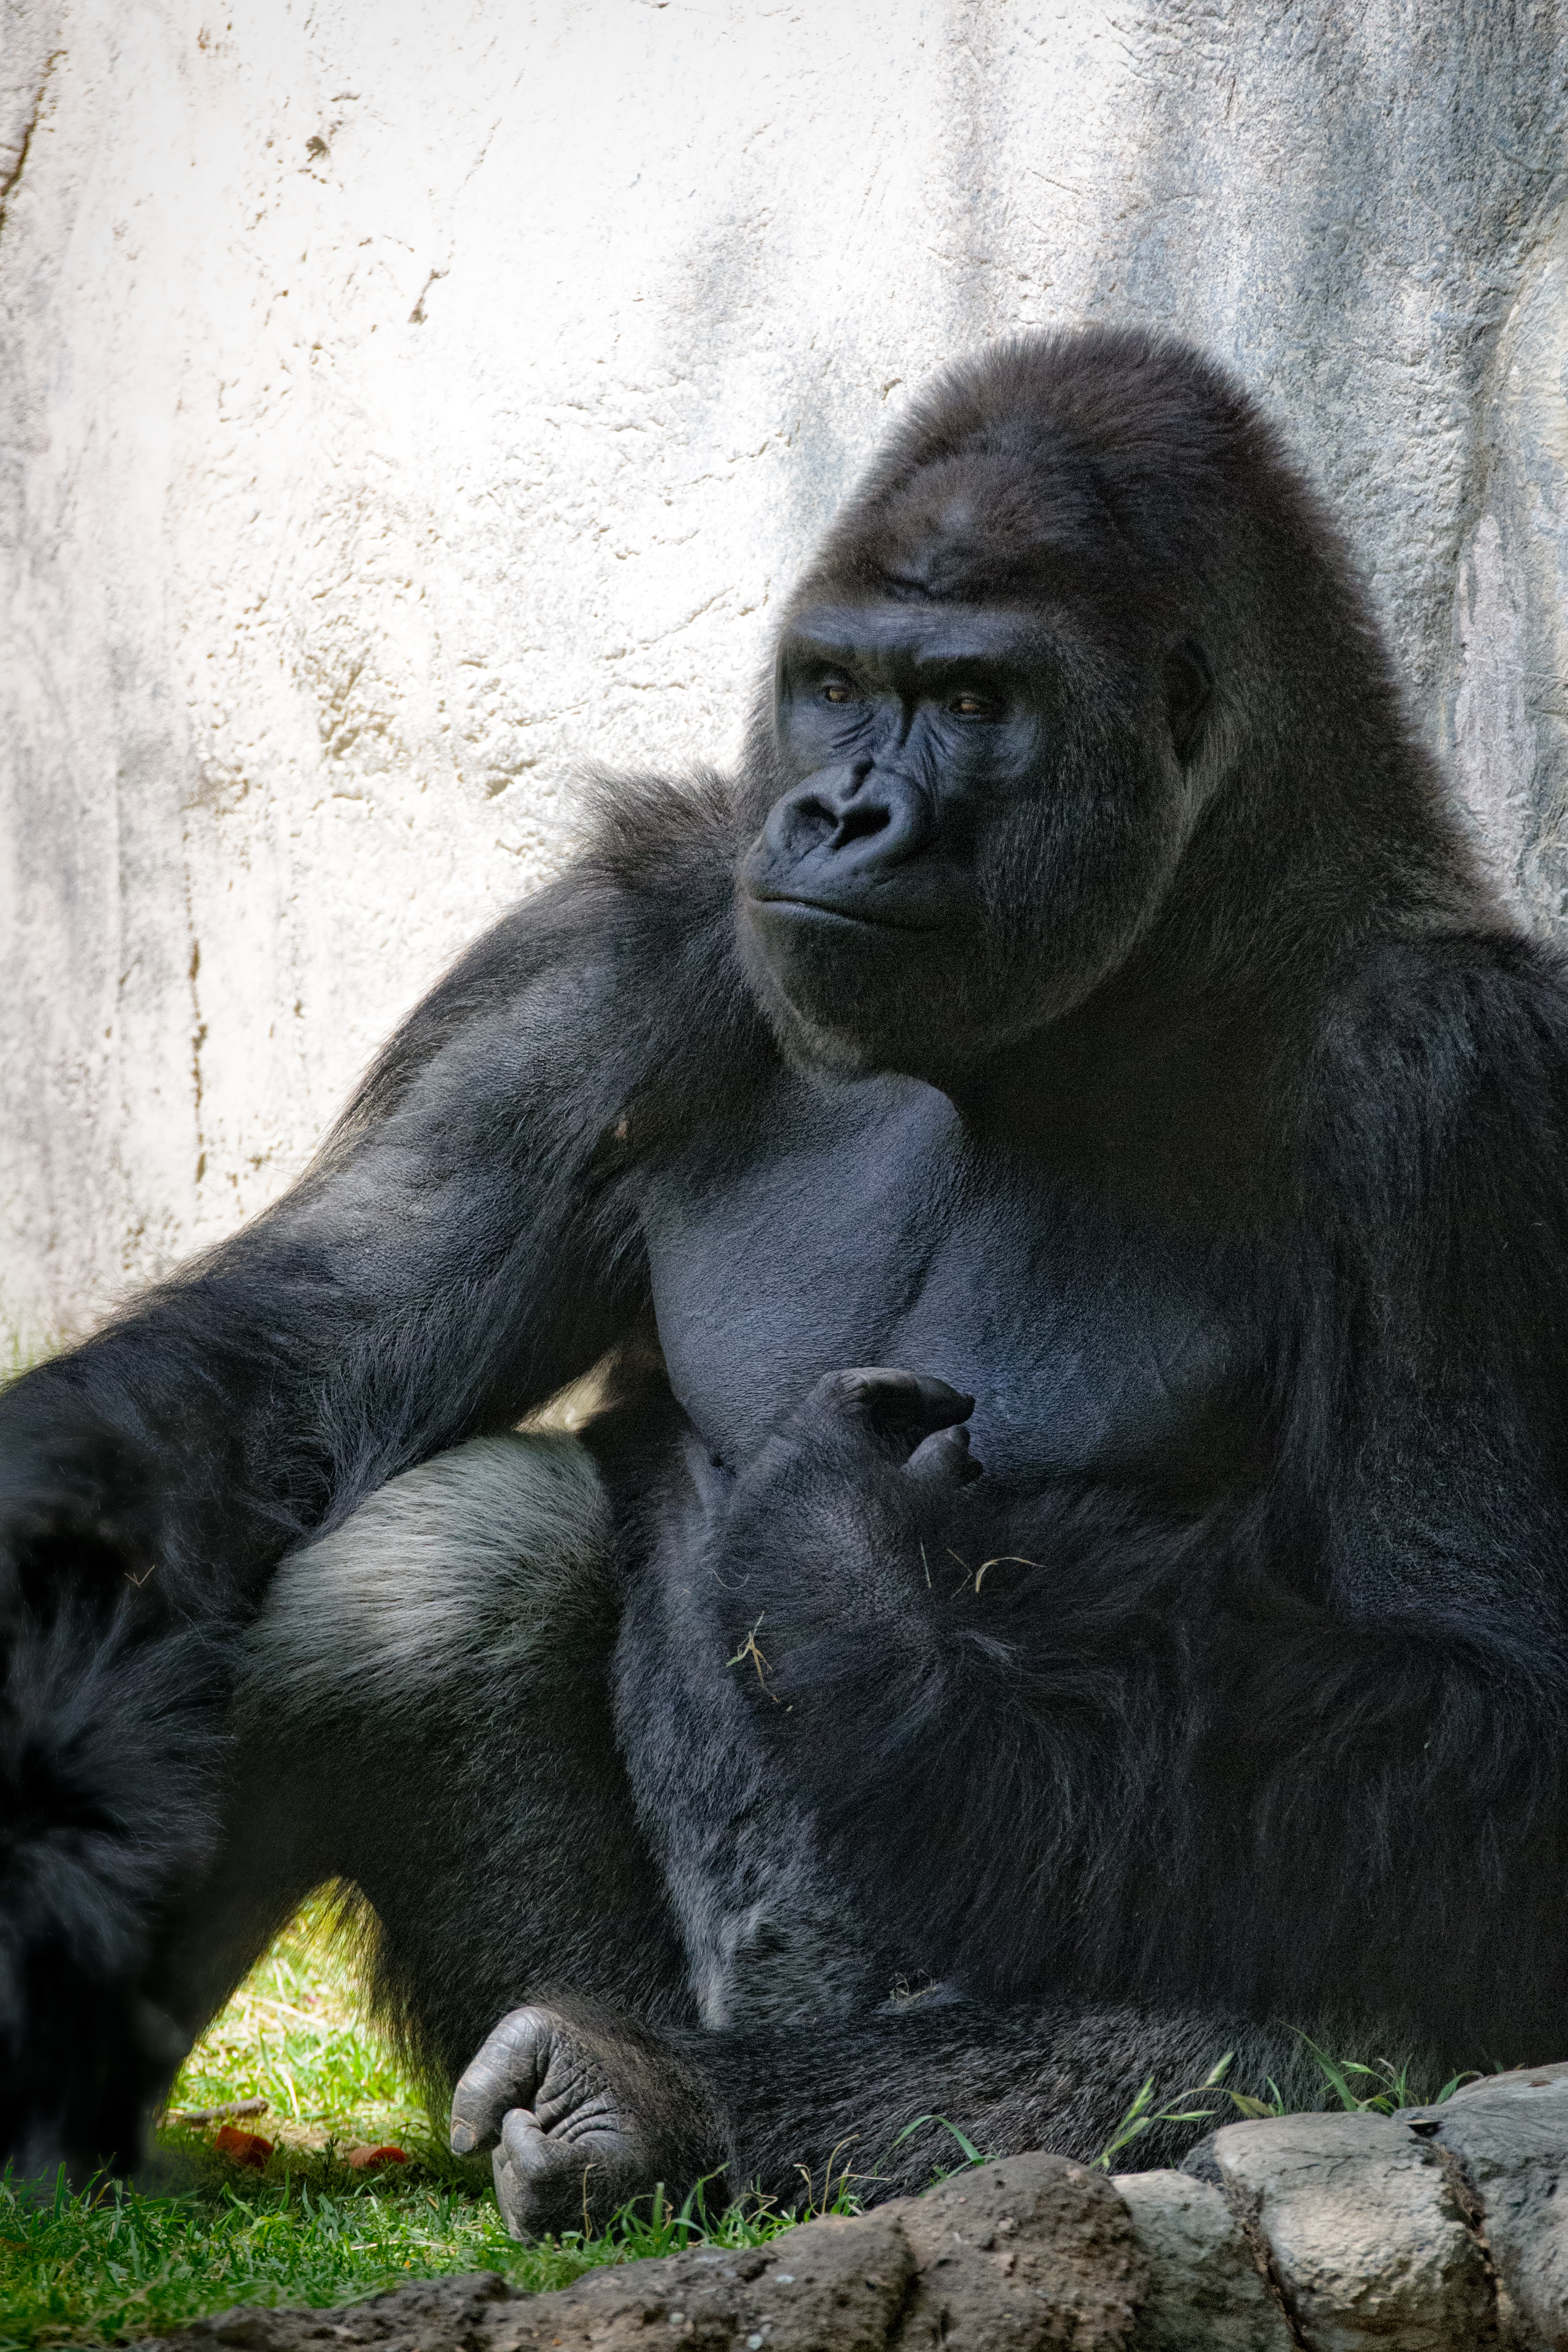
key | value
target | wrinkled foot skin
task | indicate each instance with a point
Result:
(904, 1417)
(582, 2114)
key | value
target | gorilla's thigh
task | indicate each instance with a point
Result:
(425, 1712)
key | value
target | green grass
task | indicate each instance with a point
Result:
(294, 2035)
(198, 2233)
(1378, 2089)
(103, 2269)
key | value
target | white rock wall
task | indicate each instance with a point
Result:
(401, 404)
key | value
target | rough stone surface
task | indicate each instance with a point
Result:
(1032, 2252)
(1029, 2254)
(405, 404)
(1440, 2230)
(1368, 2241)
(833, 2283)
(1510, 2134)
(444, 2315)
(1521, 2086)
(1205, 2291)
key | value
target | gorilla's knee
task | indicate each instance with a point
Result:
(465, 1576)
(424, 1715)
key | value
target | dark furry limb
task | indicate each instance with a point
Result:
(462, 1248)
(109, 1734)
(887, 2102)
(1121, 1723)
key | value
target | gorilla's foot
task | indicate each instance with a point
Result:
(584, 2110)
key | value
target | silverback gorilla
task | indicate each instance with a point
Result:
(1082, 1016)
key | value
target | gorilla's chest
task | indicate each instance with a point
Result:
(856, 1224)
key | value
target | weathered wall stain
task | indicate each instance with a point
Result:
(406, 405)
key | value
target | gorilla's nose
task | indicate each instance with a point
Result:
(848, 822)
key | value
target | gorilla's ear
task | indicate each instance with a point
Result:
(1188, 686)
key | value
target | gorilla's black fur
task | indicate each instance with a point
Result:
(1082, 997)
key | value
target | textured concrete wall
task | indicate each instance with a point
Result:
(403, 405)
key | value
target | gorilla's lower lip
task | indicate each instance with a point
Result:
(822, 911)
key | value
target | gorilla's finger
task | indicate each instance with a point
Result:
(505, 2073)
(526, 2146)
(551, 2180)
(944, 1459)
(538, 2169)
(891, 1399)
(522, 2156)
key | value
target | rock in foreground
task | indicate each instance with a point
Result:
(1439, 2230)
(1027, 2254)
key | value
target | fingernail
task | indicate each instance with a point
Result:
(462, 2140)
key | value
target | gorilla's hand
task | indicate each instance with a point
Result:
(826, 1537)
(905, 1416)
(588, 2110)
(570, 2148)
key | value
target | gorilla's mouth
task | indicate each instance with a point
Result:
(828, 912)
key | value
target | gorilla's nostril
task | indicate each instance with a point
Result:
(856, 824)
(796, 825)
(835, 816)
(814, 823)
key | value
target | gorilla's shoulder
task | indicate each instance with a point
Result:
(659, 838)
(652, 873)
(1449, 1049)
(628, 956)
(1479, 992)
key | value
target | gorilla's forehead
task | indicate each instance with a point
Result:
(985, 516)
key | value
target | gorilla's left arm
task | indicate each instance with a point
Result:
(465, 1245)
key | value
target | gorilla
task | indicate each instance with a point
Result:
(1058, 1174)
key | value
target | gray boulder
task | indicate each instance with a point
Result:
(1509, 2136)
(833, 2283)
(442, 2314)
(1369, 2240)
(1206, 2292)
(1029, 2251)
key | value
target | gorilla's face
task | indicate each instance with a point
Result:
(974, 810)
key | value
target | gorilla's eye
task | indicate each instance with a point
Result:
(837, 690)
(972, 705)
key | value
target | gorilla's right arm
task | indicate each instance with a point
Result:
(465, 1244)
